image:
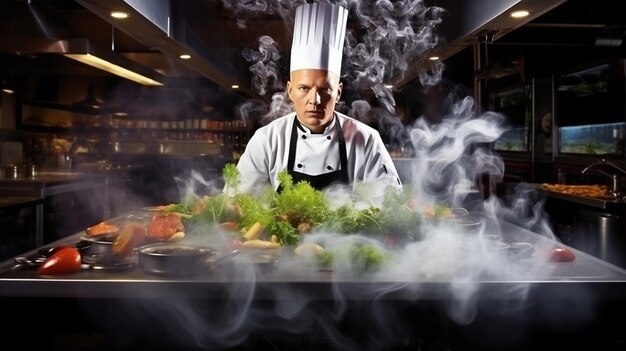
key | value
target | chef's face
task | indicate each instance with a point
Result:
(314, 94)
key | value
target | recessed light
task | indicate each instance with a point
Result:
(434, 58)
(185, 56)
(388, 86)
(520, 13)
(119, 14)
(8, 91)
(235, 86)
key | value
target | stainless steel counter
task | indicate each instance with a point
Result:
(543, 301)
(14, 202)
(607, 203)
(585, 270)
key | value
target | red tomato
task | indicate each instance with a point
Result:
(66, 260)
(51, 250)
(228, 226)
(561, 254)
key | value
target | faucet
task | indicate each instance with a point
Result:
(615, 178)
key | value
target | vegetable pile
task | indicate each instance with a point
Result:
(281, 218)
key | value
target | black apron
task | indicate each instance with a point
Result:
(321, 181)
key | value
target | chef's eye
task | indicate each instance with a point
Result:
(304, 89)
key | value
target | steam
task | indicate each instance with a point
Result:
(391, 35)
(448, 161)
(452, 260)
(265, 68)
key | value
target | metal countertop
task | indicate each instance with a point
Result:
(585, 272)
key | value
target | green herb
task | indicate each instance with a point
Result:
(181, 209)
(347, 219)
(300, 204)
(357, 258)
(231, 176)
(397, 214)
(252, 210)
(216, 209)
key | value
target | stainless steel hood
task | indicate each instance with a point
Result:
(165, 26)
(81, 49)
(200, 28)
(468, 22)
(211, 33)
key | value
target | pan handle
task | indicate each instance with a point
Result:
(222, 259)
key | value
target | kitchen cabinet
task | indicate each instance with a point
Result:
(72, 201)
(18, 223)
(594, 225)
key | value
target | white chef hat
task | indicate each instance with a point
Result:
(318, 36)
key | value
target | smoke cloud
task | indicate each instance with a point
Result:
(451, 262)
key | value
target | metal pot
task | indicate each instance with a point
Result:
(174, 259)
(96, 248)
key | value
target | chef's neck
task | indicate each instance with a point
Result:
(316, 128)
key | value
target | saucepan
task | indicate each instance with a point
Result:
(176, 259)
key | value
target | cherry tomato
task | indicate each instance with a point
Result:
(229, 226)
(64, 261)
(561, 254)
(132, 235)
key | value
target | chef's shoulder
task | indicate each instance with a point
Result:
(277, 127)
(354, 128)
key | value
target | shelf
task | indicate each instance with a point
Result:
(82, 109)
(48, 129)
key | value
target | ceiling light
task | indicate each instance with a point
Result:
(119, 14)
(235, 86)
(8, 91)
(185, 56)
(434, 58)
(81, 50)
(520, 13)
(388, 86)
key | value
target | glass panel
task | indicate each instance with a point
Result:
(590, 110)
(592, 139)
(516, 105)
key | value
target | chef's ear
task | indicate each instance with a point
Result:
(339, 89)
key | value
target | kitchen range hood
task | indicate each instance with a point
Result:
(181, 27)
(158, 33)
(164, 26)
(83, 51)
(471, 22)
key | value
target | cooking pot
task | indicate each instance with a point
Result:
(96, 248)
(175, 259)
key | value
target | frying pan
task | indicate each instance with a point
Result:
(175, 259)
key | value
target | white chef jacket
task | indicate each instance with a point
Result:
(267, 152)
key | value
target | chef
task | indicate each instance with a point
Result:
(316, 143)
